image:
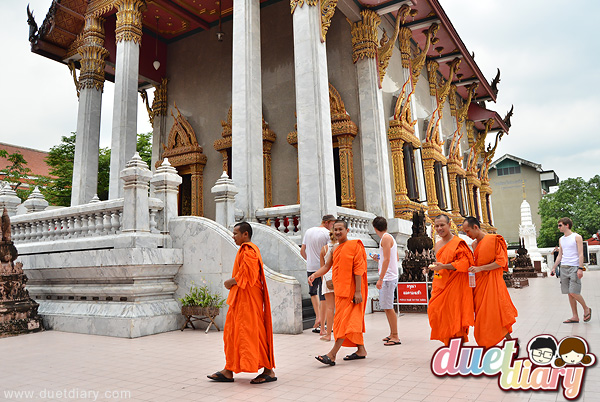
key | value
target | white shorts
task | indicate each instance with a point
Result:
(386, 295)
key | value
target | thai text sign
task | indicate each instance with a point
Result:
(412, 293)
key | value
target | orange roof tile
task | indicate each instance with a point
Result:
(36, 160)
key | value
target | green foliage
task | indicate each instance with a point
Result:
(202, 296)
(16, 172)
(575, 199)
(61, 157)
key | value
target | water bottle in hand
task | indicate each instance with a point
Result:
(471, 279)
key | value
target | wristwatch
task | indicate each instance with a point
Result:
(581, 268)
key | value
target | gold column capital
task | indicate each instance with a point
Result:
(129, 20)
(364, 36)
(300, 3)
(93, 54)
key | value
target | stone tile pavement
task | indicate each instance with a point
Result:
(173, 366)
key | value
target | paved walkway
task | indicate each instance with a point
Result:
(173, 366)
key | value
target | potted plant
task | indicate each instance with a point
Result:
(201, 302)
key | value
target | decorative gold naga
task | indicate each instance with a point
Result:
(443, 90)
(461, 114)
(418, 61)
(384, 52)
(478, 147)
(327, 11)
(489, 155)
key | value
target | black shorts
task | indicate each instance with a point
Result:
(315, 289)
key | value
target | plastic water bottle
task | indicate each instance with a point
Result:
(471, 279)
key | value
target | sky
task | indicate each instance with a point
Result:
(544, 48)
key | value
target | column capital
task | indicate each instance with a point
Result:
(129, 20)
(364, 36)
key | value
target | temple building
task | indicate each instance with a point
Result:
(354, 108)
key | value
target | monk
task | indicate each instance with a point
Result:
(495, 313)
(349, 275)
(450, 308)
(248, 332)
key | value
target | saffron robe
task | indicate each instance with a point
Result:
(450, 310)
(349, 259)
(494, 311)
(248, 331)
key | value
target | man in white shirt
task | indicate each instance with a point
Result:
(314, 240)
(570, 258)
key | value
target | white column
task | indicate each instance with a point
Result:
(376, 175)
(246, 108)
(315, 150)
(124, 133)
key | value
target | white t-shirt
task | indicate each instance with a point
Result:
(314, 239)
(392, 272)
(570, 255)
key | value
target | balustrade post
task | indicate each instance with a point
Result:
(225, 191)
(35, 202)
(9, 200)
(136, 177)
(165, 186)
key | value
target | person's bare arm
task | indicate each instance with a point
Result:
(386, 245)
(557, 261)
(579, 242)
(357, 295)
(303, 251)
(229, 283)
(488, 267)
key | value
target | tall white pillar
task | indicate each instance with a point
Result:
(376, 175)
(315, 149)
(91, 85)
(124, 135)
(246, 108)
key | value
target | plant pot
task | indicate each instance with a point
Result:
(200, 311)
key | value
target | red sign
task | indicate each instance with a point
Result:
(412, 293)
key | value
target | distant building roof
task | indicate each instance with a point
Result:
(36, 159)
(520, 161)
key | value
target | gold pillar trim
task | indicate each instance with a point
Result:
(404, 36)
(98, 8)
(185, 154)
(432, 69)
(327, 11)
(129, 20)
(387, 44)
(159, 103)
(300, 3)
(418, 61)
(470, 132)
(73, 71)
(452, 100)
(364, 36)
(462, 113)
(343, 131)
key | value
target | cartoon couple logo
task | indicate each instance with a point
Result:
(572, 351)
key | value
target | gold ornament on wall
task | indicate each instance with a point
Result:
(327, 11)
(418, 61)
(159, 103)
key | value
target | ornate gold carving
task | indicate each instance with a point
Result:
(186, 156)
(92, 54)
(159, 103)
(444, 89)
(364, 36)
(470, 132)
(300, 3)
(268, 136)
(405, 35)
(432, 69)
(462, 113)
(73, 71)
(98, 8)
(452, 99)
(327, 11)
(418, 61)
(387, 45)
(129, 20)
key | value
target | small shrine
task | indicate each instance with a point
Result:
(523, 269)
(18, 312)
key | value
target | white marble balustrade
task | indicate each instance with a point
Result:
(359, 224)
(88, 220)
(285, 219)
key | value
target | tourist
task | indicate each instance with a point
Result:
(328, 306)
(248, 331)
(495, 313)
(388, 277)
(555, 254)
(349, 268)
(570, 258)
(451, 305)
(314, 240)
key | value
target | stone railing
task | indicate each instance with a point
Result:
(285, 219)
(359, 224)
(99, 218)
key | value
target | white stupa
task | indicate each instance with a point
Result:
(529, 235)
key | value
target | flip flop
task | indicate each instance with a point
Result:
(588, 316)
(219, 377)
(266, 377)
(354, 356)
(386, 339)
(317, 330)
(325, 360)
(392, 343)
(570, 321)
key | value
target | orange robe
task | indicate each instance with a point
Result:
(450, 310)
(494, 311)
(349, 259)
(248, 332)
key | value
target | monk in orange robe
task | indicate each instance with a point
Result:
(248, 332)
(349, 264)
(450, 308)
(495, 313)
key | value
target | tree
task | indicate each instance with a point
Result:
(16, 172)
(61, 157)
(575, 199)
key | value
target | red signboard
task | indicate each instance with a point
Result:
(412, 293)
